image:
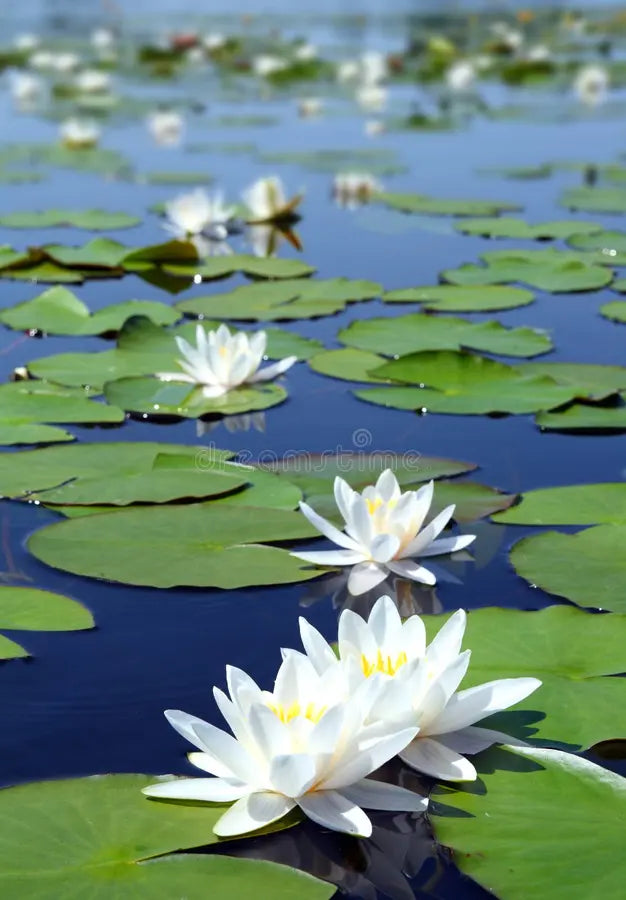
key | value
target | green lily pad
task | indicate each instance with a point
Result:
(12, 433)
(59, 311)
(542, 844)
(463, 384)
(581, 417)
(98, 253)
(348, 364)
(196, 544)
(524, 173)
(419, 203)
(255, 266)
(455, 298)
(619, 285)
(615, 311)
(591, 381)
(46, 273)
(291, 299)
(176, 178)
(29, 609)
(507, 227)
(609, 246)
(577, 504)
(419, 331)
(555, 271)
(93, 220)
(595, 199)
(128, 846)
(587, 568)
(40, 403)
(169, 252)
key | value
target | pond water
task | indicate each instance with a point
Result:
(91, 702)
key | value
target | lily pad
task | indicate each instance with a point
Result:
(591, 381)
(610, 246)
(98, 253)
(595, 199)
(555, 271)
(45, 272)
(587, 568)
(93, 220)
(578, 504)
(419, 331)
(12, 433)
(348, 364)
(291, 299)
(419, 203)
(616, 311)
(40, 403)
(256, 266)
(463, 384)
(542, 843)
(581, 417)
(59, 311)
(128, 846)
(507, 227)
(176, 178)
(196, 545)
(455, 298)
(29, 609)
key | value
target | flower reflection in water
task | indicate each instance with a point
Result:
(266, 238)
(409, 596)
(232, 424)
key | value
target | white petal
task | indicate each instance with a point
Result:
(183, 723)
(362, 762)
(447, 642)
(343, 497)
(359, 522)
(364, 577)
(385, 623)
(439, 692)
(175, 376)
(274, 370)
(387, 486)
(354, 636)
(330, 557)
(211, 391)
(448, 545)
(384, 547)
(372, 794)
(226, 749)
(328, 529)
(331, 810)
(253, 812)
(210, 790)
(424, 499)
(474, 740)
(428, 534)
(414, 637)
(408, 568)
(292, 774)
(432, 758)
(317, 649)
(324, 738)
(475, 703)
(267, 731)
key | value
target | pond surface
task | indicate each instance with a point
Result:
(91, 702)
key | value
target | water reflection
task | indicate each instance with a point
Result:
(265, 239)
(409, 596)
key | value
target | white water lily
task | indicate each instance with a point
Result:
(461, 76)
(383, 533)
(102, 39)
(26, 42)
(222, 361)
(303, 745)
(350, 189)
(305, 52)
(266, 65)
(373, 67)
(214, 41)
(509, 38)
(371, 97)
(166, 127)
(422, 681)
(78, 134)
(195, 212)
(26, 88)
(309, 107)
(63, 63)
(348, 70)
(93, 81)
(267, 201)
(41, 59)
(538, 53)
(591, 85)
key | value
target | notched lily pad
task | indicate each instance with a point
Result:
(506, 227)
(419, 203)
(578, 504)
(455, 298)
(92, 220)
(29, 609)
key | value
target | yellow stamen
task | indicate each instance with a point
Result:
(287, 713)
(384, 664)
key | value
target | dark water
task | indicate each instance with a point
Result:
(92, 702)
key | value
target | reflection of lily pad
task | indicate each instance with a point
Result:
(548, 270)
(418, 331)
(455, 298)
(419, 203)
(196, 544)
(29, 609)
(171, 398)
(505, 227)
(588, 568)
(578, 504)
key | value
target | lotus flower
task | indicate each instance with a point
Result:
(267, 202)
(383, 533)
(266, 65)
(350, 189)
(166, 127)
(461, 76)
(78, 135)
(222, 361)
(193, 213)
(303, 745)
(93, 81)
(592, 84)
(422, 679)
(26, 88)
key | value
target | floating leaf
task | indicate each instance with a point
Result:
(59, 311)
(37, 403)
(348, 364)
(419, 331)
(506, 227)
(556, 271)
(258, 267)
(196, 544)
(577, 504)
(418, 203)
(616, 311)
(169, 252)
(591, 381)
(98, 253)
(24, 433)
(29, 609)
(595, 199)
(292, 299)
(581, 417)
(46, 272)
(93, 220)
(176, 178)
(587, 568)
(515, 827)
(454, 298)
(610, 246)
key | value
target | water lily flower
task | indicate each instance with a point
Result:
(93, 81)
(383, 533)
(350, 189)
(592, 84)
(26, 88)
(102, 40)
(77, 134)
(309, 107)
(305, 52)
(214, 41)
(422, 679)
(371, 97)
(305, 744)
(222, 361)
(195, 212)
(461, 76)
(267, 202)
(373, 67)
(348, 70)
(510, 39)
(374, 127)
(26, 42)
(41, 59)
(63, 63)
(166, 127)
(538, 53)
(266, 65)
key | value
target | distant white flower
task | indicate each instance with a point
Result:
(309, 107)
(373, 127)
(26, 88)
(509, 37)
(350, 189)
(592, 85)
(373, 67)
(419, 682)
(102, 40)
(267, 65)
(196, 212)
(93, 81)
(26, 42)
(538, 53)
(41, 59)
(63, 63)
(267, 202)
(195, 56)
(214, 41)
(482, 62)
(383, 533)
(303, 745)
(166, 127)
(305, 52)
(461, 76)
(222, 361)
(371, 97)
(78, 134)
(347, 71)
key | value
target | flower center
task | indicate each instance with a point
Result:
(287, 713)
(385, 664)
